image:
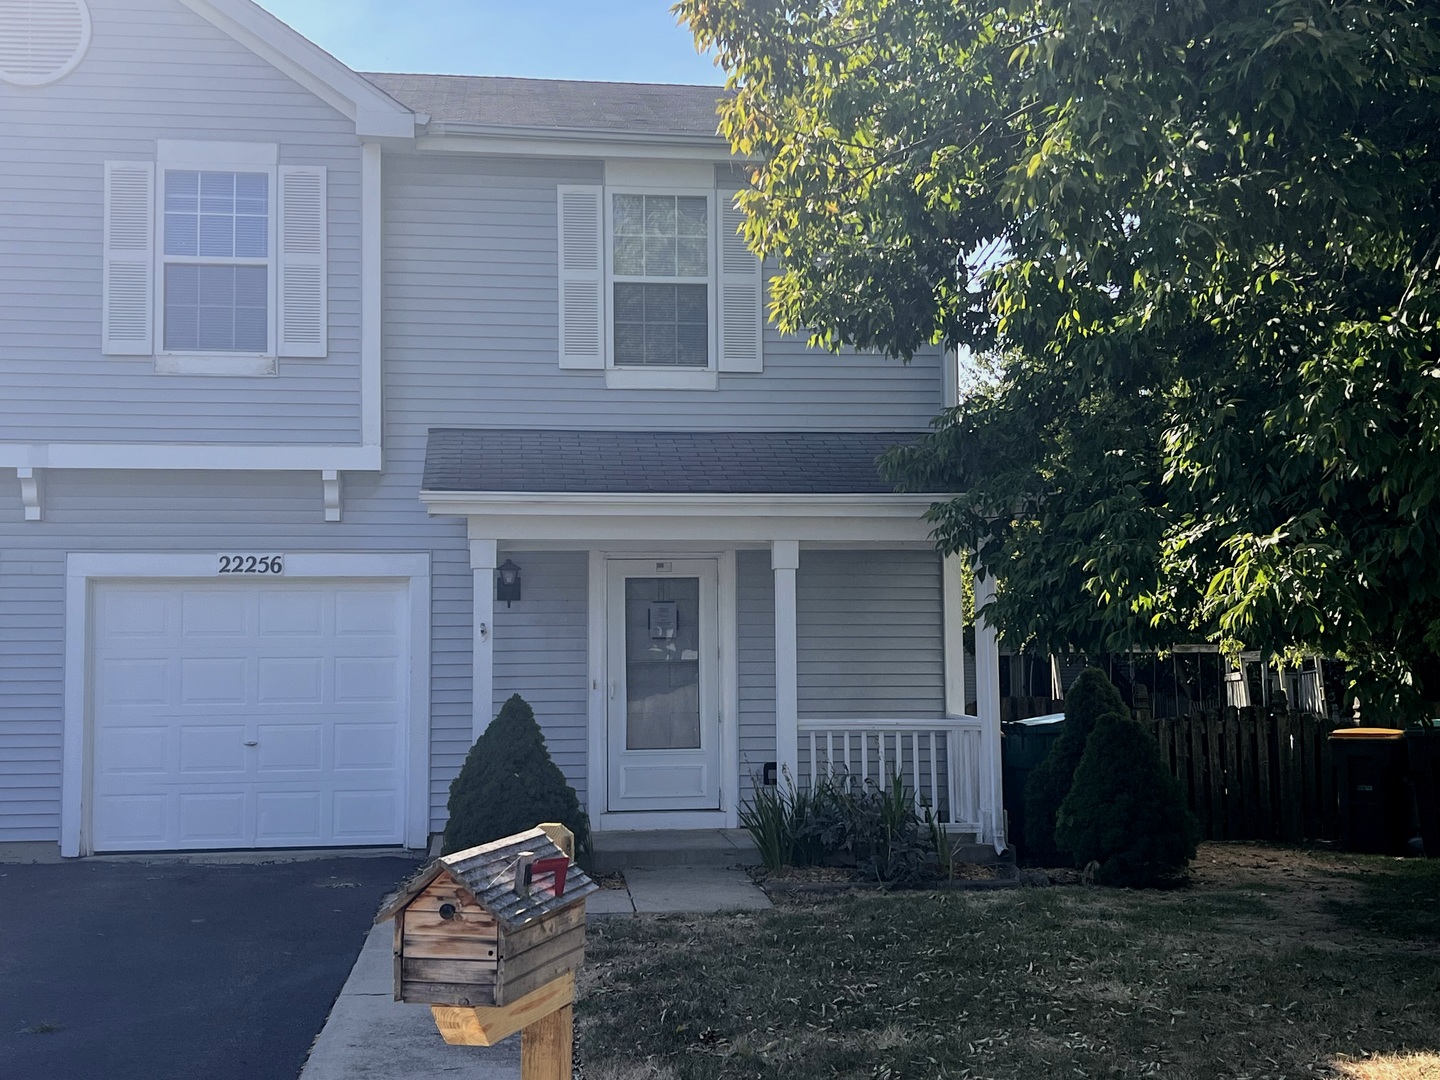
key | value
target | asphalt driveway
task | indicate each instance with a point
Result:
(157, 970)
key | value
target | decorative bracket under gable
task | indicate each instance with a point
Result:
(31, 493)
(331, 479)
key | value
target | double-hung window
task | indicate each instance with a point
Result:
(657, 287)
(660, 280)
(215, 258)
(217, 262)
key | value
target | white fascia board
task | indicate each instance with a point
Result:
(374, 112)
(515, 518)
(188, 456)
(554, 142)
(694, 505)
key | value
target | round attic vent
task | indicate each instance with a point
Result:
(41, 40)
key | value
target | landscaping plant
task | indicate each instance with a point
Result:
(509, 784)
(1090, 696)
(1125, 812)
(781, 821)
(843, 821)
(882, 833)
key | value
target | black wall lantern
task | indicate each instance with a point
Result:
(507, 582)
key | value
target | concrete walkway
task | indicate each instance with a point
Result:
(370, 1036)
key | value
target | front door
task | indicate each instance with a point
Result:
(664, 715)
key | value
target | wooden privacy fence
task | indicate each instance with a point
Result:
(1254, 774)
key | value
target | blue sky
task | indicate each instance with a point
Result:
(622, 40)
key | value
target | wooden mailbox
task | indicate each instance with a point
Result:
(488, 926)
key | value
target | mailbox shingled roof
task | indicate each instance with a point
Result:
(487, 872)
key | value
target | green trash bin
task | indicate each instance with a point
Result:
(1423, 748)
(1370, 768)
(1024, 744)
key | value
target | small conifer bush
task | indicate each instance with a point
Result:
(1125, 812)
(508, 784)
(1090, 696)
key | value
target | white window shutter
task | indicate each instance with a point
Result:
(301, 320)
(741, 293)
(129, 285)
(582, 277)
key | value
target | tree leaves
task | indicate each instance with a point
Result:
(1210, 288)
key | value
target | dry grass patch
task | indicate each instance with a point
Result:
(1394, 1067)
(1265, 968)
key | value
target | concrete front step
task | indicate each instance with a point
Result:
(672, 847)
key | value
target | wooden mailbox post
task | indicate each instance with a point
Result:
(490, 939)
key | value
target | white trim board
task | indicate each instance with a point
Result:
(84, 569)
(723, 520)
(372, 307)
(183, 456)
(553, 142)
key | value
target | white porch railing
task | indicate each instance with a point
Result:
(940, 761)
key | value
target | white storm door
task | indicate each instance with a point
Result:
(246, 714)
(663, 643)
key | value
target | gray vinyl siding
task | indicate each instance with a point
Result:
(156, 70)
(472, 317)
(871, 640)
(755, 622)
(541, 653)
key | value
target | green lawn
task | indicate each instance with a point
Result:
(1274, 964)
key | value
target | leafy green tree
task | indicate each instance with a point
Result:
(1090, 697)
(1197, 247)
(1125, 812)
(509, 784)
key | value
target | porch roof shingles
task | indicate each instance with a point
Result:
(562, 104)
(658, 462)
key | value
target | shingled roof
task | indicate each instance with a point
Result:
(487, 872)
(659, 462)
(561, 104)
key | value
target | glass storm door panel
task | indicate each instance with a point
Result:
(664, 731)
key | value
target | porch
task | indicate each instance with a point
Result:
(695, 643)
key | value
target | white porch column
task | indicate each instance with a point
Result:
(987, 707)
(483, 563)
(784, 561)
(953, 611)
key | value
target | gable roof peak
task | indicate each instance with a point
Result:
(374, 112)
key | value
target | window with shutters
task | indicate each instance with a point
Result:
(657, 288)
(215, 259)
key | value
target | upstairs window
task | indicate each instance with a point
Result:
(217, 261)
(660, 274)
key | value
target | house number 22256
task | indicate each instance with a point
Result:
(252, 564)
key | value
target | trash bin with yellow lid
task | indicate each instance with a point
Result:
(1370, 767)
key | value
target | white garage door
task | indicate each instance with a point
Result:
(248, 714)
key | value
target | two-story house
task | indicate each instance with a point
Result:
(336, 408)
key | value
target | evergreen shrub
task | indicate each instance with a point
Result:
(1125, 812)
(509, 784)
(1089, 697)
